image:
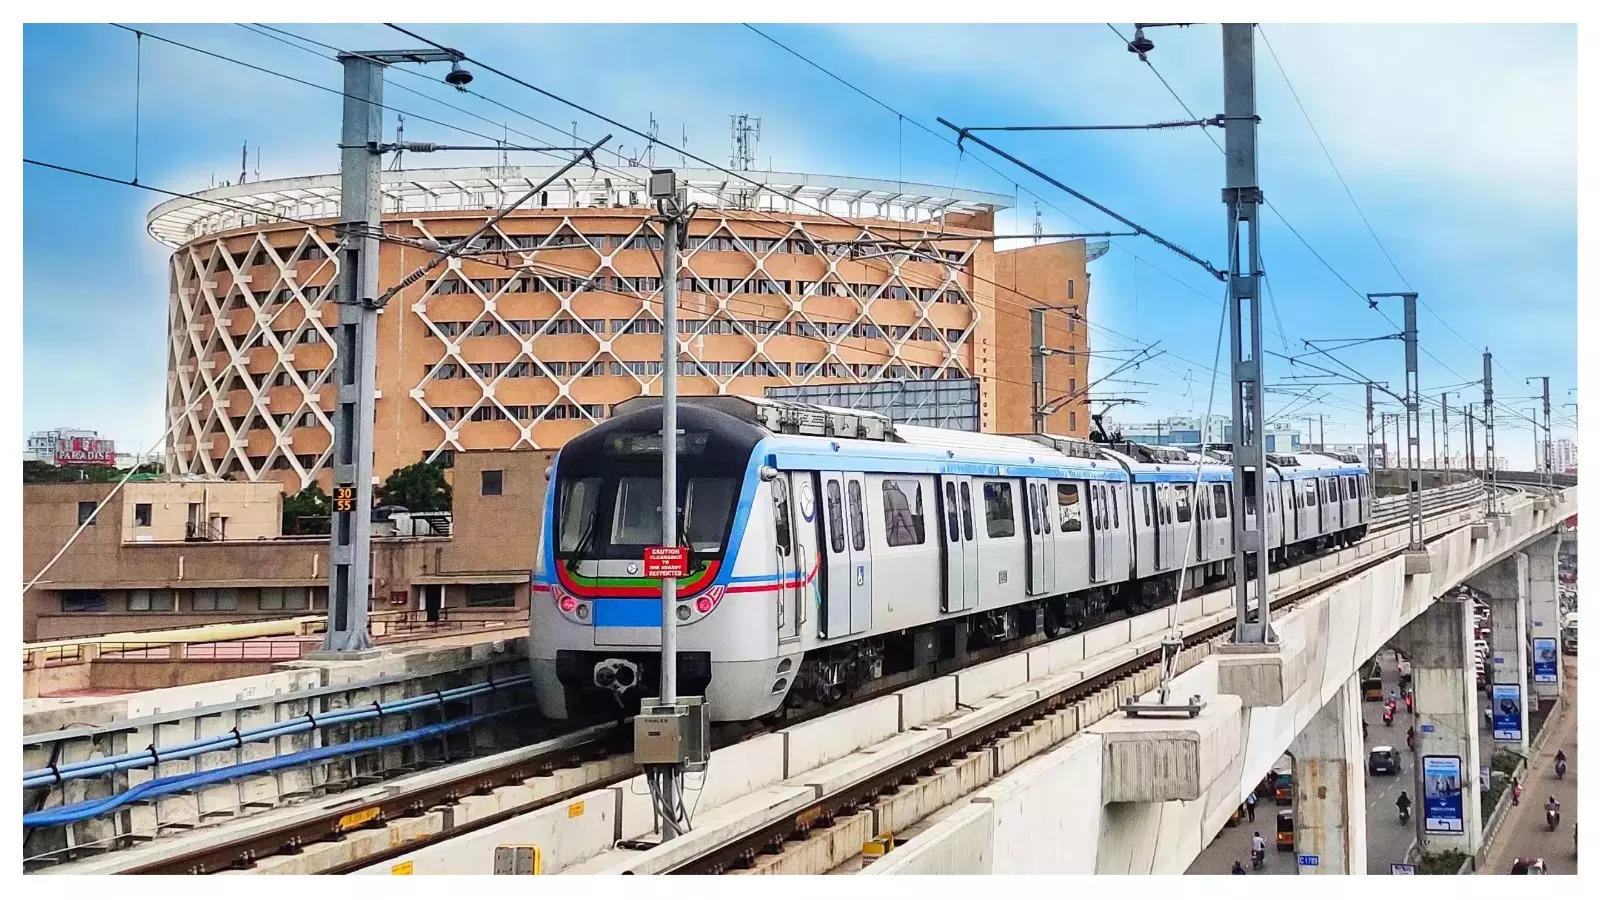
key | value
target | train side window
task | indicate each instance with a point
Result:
(1184, 512)
(902, 513)
(858, 523)
(1202, 503)
(966, 511)
(835, 517)
(1219, 500)
(999, 516)
(1144, 496)
(1069, 507)
(1309, 495)
(1032, 518)
(1044, 507)
(952, 524)
(1116, 515)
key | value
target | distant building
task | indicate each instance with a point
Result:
(70, 447)
(1179, 431)
(938, 403)
(1564, 455)
(179, 551)
(808, 280)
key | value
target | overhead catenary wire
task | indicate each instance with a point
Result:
(979, 278)
(652, 139)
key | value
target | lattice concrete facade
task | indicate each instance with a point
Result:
(556, 314)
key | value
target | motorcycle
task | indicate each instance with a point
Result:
(1388, 718)
(1258, 858)
(1405, 814)
(1552, 818)
(1561, 769)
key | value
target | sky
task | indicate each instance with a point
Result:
(1465, 171)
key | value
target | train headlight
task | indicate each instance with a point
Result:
(709, 600)
(683, 613)
(583, 612)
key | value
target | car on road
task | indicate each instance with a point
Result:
(1383, 760)
(1528, 865)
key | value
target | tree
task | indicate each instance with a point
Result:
(419, 487)
(310, 502)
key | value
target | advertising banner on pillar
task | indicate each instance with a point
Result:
(1441, 795)
(1507, 700)
(1544, 660)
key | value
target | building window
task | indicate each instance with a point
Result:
(150, 600)
(86, 512)
(82, 601)
(215, 600)
(491, 595)
(141, 515)
(1072, 420)
(999, 517)
(492, 480)
(273, 598)
(902, 513)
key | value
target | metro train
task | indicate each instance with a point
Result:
(829, 547)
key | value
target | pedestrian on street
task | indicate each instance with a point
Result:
(1250, 806)
(1516, 792)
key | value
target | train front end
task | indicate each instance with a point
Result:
(595, 627)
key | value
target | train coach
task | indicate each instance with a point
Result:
(829, 548)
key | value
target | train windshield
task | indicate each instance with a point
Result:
(617, 516)
(608, 485)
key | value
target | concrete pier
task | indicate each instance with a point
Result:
(1330, 791)
(1445, 803)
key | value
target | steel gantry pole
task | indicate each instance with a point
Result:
(360, 214)
(1413, 399)
(1036, 319)
(1370, 462)
(1242, 195)
(1444, 413)
(355, 342)
(1488, 431)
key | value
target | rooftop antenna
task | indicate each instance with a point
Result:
(650, 146)
(505, 139)
(683, 145)
(746, 134)
(258, 162)
(244, 162)
(1038, 223)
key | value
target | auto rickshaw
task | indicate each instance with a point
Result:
(1372, 683)
(1283, 788)
(1285, 829)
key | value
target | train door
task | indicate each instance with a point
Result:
(1163, 529)
(960, 548)
(785, 534)
(1099, 533)
(1221, 515)
(834, 622)
(1041, 561)
(860, 554)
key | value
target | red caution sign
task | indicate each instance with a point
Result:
(666, 562)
